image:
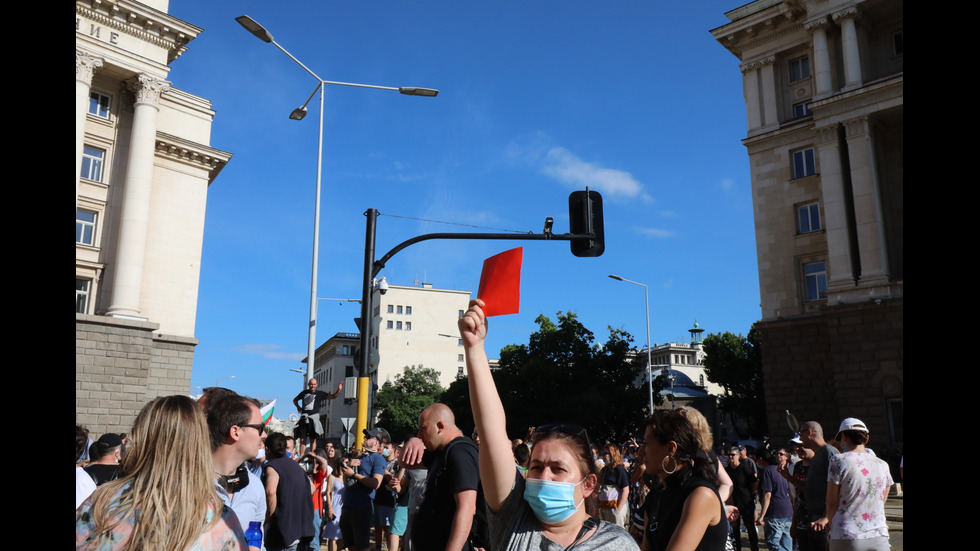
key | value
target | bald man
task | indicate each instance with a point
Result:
(451, 486)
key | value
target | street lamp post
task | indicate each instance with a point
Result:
(646, 294)
(264, 35)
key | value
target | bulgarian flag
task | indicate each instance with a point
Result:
(267, 411)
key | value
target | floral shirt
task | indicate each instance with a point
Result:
(864, 482)
(225, 535)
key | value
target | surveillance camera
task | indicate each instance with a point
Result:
(383, 286)
(548, 223)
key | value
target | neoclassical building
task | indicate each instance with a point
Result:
(143, 164)
(417, 328)
(823, 83)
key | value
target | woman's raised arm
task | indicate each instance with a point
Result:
(496, 458)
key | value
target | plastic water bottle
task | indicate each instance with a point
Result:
(254, 534)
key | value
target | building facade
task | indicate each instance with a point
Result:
(823, 84)
(418, 328)
(143, 167)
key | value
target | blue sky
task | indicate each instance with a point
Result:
(537, 99)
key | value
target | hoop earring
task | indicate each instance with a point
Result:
(663, 465)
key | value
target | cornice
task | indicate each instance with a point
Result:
(188, 152)
(142, 22)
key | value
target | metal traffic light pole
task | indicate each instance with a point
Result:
(585, 214)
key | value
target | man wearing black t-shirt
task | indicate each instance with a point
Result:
(451, 486)
(309, 402)
(744, 484)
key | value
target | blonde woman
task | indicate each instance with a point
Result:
(165, 496)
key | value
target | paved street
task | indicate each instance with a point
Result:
(893, 513)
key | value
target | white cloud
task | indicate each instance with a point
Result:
(727, 184)
(654, 232)
(538, 149)
(270, 351)
(566, 167)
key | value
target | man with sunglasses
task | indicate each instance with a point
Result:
(237, 432)
(777, 507)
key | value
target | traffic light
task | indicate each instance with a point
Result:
(585, 217)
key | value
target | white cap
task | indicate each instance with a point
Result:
(852, 423)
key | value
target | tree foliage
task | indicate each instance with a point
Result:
(400, 402)
(735, 362)
(563, 376)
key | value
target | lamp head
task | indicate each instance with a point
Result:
(411, 91)
(253, 27)
(298, 114)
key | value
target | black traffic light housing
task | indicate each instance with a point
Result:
(585, 217)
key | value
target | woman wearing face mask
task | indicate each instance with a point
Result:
(547, 511)
(691, 515)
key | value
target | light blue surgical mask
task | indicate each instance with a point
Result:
(386, 452)
(550, 500)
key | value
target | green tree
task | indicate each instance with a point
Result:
(563, 376)
(401, 402)
(735, 363)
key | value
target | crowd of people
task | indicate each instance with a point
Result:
(205, 475)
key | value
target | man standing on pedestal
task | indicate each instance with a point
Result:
(308, 403)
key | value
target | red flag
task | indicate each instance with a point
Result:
(500, 283)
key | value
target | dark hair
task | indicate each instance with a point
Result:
(522, 453)
(275, 445)
(671, 426)
(100, 449)
(212, 394)
(857, 437)
(226, 412)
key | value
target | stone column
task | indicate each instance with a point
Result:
(852, 55)
(750, 90)
(768, 85)
(867, 201)
(128, 277)
(835, 211)
(758, 83)
(85, 66)
(821, 57)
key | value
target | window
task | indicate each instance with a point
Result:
(408, 326)
(815, 280)
(346, 352)
(459, 342)
(82, 287)
(459, 358)
(85, 227)
(92, 163)
(398, 326)
(98, 105)
(803, 164)
(808, 218)
(801, 110)
(399, 309)
(408, 310)
(391, 324)
(391, 308)
(461, 312)
(799, 68)
(898, 42)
